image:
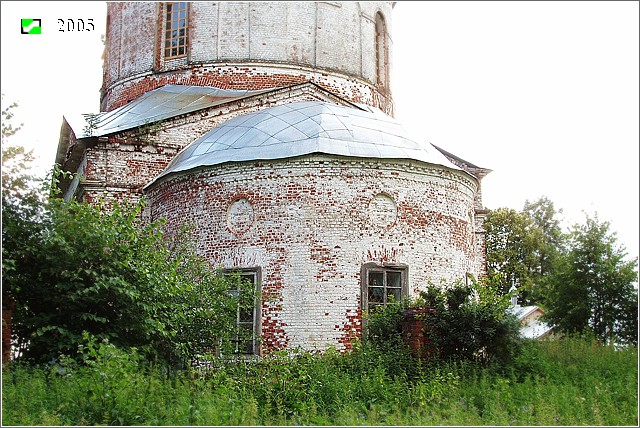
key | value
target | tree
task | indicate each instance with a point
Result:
(513, 241)
(521, 247)
(21, 195)
(543, 214)
(551, 244)
(21, 204)
(594, 287)
(73, 267)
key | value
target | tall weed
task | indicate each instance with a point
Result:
(571, 382)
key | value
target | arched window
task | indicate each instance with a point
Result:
(382, 52)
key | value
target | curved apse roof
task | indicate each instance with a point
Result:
(302, 128)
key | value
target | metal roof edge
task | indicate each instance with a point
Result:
(162, 176)
(459, 159)
(75, 123)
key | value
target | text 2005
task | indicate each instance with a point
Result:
(68, 25)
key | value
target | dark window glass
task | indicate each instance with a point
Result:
(384, 285)
(176, 23)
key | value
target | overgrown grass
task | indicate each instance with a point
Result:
(564, 382)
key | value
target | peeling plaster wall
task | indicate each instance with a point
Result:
(118, 166)
(248, 45)
(310, 223)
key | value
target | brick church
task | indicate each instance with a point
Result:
(268, 127)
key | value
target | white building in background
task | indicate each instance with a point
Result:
(529, 316)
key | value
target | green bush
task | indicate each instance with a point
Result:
(384, 342)
(101, 269)
(471, 322)
(461, 322)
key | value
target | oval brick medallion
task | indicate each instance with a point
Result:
(383, 210)
(240, 216)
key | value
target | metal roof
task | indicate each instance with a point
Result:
(532, 329)
(535, 330)
(302, 128)
(521, 312)
(159, 104)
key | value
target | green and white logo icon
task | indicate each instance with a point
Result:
(31, 26)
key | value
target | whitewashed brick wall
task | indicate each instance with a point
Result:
(311, 223)
(248, 45)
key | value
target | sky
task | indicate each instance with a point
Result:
(543, 93)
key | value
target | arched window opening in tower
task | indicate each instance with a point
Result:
(176, 23)
(382, 51)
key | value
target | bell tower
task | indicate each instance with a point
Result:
(344, 47)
